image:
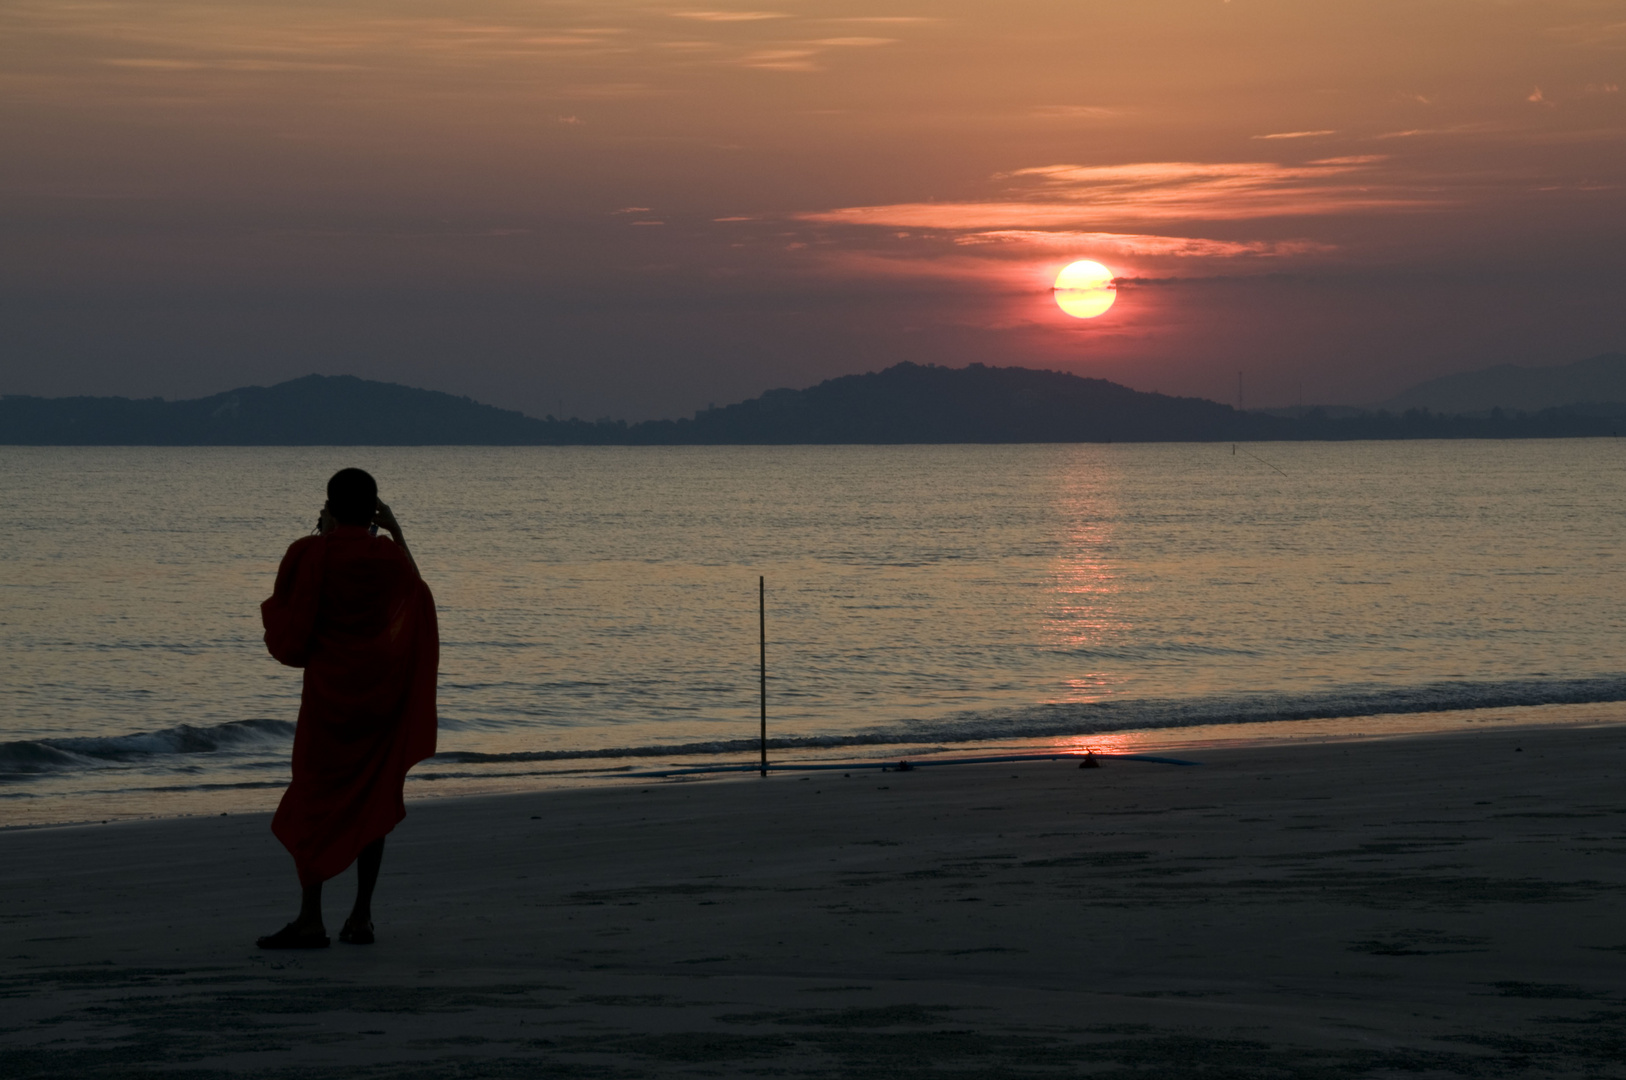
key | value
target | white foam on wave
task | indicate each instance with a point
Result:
(26, 757)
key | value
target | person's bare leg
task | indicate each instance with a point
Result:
(310, 909)
(361, 915)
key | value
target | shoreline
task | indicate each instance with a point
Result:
(431, 782)
(1448, 904)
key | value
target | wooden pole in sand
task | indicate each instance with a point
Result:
(762, 663)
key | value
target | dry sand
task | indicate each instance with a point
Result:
(1447, 905)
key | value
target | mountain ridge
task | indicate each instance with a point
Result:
(1597, 380)
(905, 403)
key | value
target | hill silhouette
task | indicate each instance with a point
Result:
(317, 410)
(906, 403)
(1598, 380)
(912, 403)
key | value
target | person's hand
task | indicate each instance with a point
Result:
(385, 519)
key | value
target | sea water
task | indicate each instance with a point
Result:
(599, 606)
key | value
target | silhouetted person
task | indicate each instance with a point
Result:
(350, 608)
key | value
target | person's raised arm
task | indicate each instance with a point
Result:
(385, 519)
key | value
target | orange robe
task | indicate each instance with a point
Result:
(352, 611)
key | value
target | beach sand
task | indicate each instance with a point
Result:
(1444, 905)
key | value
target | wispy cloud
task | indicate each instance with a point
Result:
(802, 55)
(1296, 134)
(606, 91)
(729, 16)
(168, 64)
(1133, 245)
(1608, 35)
(1074, 196)
(1479, 128)
(780, 60)
(160, 41)
(1052, 213)
(1076, 112)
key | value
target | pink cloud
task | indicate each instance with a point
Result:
(1133, 245)
(1296, 134)
(781, 60)
(1091, 196)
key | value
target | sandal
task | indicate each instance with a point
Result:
(290, 937)
(354, 934)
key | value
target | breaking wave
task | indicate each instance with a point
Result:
(30, 757)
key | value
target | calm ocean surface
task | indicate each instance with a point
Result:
(598, 606)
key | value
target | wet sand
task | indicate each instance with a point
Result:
(1449, 905)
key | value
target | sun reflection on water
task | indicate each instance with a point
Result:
(1085, 617)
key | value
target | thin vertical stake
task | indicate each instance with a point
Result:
(762, 663)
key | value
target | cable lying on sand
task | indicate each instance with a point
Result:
(1085, 760)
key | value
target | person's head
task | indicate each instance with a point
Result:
(352, 497)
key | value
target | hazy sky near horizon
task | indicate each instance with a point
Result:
(634, 209)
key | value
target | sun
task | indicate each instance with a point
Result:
(1084, 289)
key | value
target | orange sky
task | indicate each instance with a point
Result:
(635, 209)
